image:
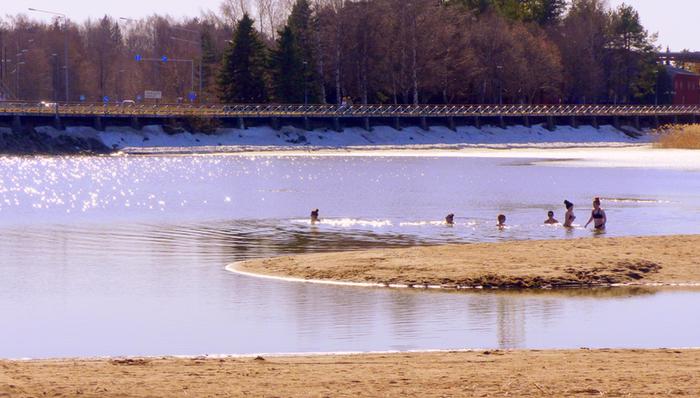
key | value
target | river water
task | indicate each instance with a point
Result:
(126, 255)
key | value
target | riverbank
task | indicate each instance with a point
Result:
(168, 139)
(589, 262)
(478, 373)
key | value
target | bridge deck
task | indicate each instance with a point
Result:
(349, 111)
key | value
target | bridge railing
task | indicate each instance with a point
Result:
(372, 111)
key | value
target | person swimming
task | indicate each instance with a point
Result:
(598, 216)
(550, 218)
(450, 219)
(501, 221)
(569, 217)
(314, 216)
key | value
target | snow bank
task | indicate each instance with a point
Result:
(154, 137)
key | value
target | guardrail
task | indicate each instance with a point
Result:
(343, 111)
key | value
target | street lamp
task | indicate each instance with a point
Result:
(499, 68)
(65, 42)
(198, 43)
(306, 92)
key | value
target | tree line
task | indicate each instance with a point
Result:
(331, 51)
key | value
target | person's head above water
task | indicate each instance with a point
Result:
(450, 219)
(501, 219)
(568, 204)
(550, 214)
(596, 202)
(314, 214)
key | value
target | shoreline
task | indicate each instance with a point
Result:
(661, 261)
(582, 372)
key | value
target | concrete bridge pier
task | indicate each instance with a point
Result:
(16, 124)
(135, 124)
(336, 125)
(397, 123)
(656, 121)
(307, 124)
(574, 122)
(366, 125)
(637, 123)
(501, 122)
(57, 123)
(451, 123)
(240, 123)
(675, 119)
(275, 123)
(594, 122)
(616, 122)
(550, 123)
(526, 121)
(477, 122)
(693, 119)
(97, 124)
(424, 123)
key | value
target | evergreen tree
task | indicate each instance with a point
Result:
(210, 58)
(631, 59)
(242, 76)
(544, 12)
(288, 77)
(301, 22)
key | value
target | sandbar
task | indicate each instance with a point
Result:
(588, 262)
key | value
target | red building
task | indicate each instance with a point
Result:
(686, 86)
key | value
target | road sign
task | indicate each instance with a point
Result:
(192, 96)
(105, 99)
(139, 98)
(164, 58)
(151, 94)
(138, 57)
(82, 98)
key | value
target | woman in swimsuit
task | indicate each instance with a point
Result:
(598, 216)
(569, 217)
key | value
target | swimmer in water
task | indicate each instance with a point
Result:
(569, 217)
(450, 219)
(501, 221)
(550, 219)
(314, 216)
(598, 216)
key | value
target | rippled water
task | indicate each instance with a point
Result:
(126, 255)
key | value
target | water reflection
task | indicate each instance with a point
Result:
(126, 256)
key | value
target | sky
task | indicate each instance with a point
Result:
(673, 20)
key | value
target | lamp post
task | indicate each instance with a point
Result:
(306, 91)
(198, 43)
(65, 43)
(56, 75)
(499, 68)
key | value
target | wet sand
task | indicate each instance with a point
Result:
(482, 373)
(590, 262)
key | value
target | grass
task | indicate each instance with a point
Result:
(680, 136)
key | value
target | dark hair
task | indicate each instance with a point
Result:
(596, 201)
(568, 204)
(501, 217)
(550, 213)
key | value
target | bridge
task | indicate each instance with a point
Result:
(17, 115)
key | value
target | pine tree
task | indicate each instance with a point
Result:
(301, 22)
(210, 58)
(288, 70)
(242, 78)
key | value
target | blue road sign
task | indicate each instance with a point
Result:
(82, 98)
(105, 99)
(138, 98)
(192, 96)
(138, 57)
(164, 58)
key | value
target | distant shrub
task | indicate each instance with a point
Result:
(679, 136)
(205, 125)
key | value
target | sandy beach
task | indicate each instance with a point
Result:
(589, 262)
(582, 373)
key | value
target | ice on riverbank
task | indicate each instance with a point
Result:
(290, 137)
